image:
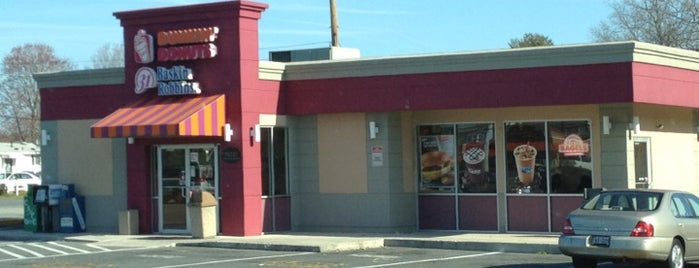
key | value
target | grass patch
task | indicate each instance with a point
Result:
(13, 196)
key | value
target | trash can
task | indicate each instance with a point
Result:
(128, 222)
(203, 214)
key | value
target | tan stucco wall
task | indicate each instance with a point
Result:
(673, 140)
(342, 156)
(84, 161)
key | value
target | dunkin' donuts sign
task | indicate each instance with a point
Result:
(176, 45)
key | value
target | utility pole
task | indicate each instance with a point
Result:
(333, 24)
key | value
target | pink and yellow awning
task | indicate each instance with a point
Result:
(165, 117)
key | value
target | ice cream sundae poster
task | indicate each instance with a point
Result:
(526, 157)
(476, 164)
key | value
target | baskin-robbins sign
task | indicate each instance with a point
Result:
(174, 45)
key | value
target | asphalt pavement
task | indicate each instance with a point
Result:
(11, 229)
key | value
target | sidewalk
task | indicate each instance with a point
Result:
(312, 242)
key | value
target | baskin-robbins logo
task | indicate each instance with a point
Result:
(573, 145)
(174, 45)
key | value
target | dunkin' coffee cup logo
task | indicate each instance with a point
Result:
(143, 47)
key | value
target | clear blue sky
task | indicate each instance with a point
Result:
(76, 28)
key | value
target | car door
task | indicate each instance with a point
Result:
(691, 225)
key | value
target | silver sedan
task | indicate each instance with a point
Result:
(659, 227)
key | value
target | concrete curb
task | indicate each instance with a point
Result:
(379, 243)
(461, 245)
(251, 246)
(327, 247)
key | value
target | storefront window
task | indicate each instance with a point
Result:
(548, 157)
(570, 164)
(525, 157)
(457, 157)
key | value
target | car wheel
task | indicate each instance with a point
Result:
(583, 262)
(3, 189)
(676, 258)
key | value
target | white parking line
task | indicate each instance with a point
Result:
(236, 260)
(430, 260)
(49, 249)
(12, 254)
(69, 247)
(36, 254)
(97, 247)
(18, 257)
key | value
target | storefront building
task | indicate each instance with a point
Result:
(495, 141)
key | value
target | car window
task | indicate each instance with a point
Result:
(680, 207)
(693, 203)
(624, 200)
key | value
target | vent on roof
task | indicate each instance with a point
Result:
(328, 53)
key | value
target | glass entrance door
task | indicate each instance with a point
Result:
(181, 170)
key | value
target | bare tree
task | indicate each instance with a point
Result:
(19, 95)
(530, 40)
(672, 23)
(108, 56)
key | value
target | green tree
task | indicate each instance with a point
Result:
(672, 23)
(19, 95)
(530, 40)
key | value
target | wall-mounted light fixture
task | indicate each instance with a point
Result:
(635, 125)
(606, 125)
(373, 130)
(130, 140)
(227, 132)
(255, 133)
(45, 137)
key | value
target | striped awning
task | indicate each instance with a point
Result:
(165, 117)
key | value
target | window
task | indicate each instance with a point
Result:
(694, 203)
(36, 159)
(457, 158)
(624, 201)
(680, 208)
(274, 161)
(548, 157)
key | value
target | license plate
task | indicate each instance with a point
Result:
(599, 240)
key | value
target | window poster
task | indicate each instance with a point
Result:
(570, 164)
(457, 156)
(476, 165)
(525, 157)
(437, 158)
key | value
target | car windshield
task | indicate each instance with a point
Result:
(624, 200)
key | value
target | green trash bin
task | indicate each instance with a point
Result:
(31, 211)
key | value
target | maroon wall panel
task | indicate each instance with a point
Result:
(478, 213)
(560, 207)
(527, 213)
(437, 212)
(558, 85)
